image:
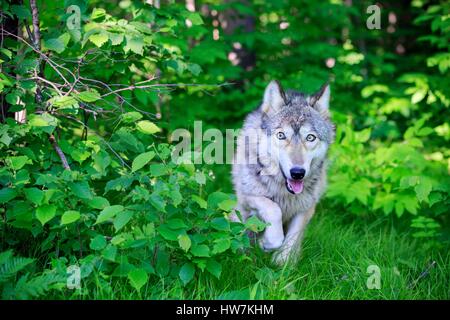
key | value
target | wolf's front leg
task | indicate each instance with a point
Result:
(269, 212)
(292, 243)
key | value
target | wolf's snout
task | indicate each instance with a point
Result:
(297, 173)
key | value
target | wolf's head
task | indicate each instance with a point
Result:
(299, 132)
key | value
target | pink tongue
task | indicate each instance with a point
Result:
(296, 185)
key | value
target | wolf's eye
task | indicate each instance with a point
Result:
(281, 135)
(310, 137)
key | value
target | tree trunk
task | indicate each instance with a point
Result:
(10, 25)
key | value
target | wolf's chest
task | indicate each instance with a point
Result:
(292, 205)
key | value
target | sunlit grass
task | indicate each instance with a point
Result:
(333, 265)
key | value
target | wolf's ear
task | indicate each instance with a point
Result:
(274, 97)
(321, 100)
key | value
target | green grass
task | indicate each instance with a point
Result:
(336, 253)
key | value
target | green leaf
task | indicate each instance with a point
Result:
(418, 96)
(195, 18)
(14, 98)
(399, 209)
(214, 268)
(194, 68)
(98, 203)
(134, 44)
(425, 131)
(12, 266)
(220, 224)
(18, 162)
(81, 189)
(5, 138)
(115, 38)
(184, 241)
(98, 13)
(21, 11)
(163, 263)
(200, 178)
(215, 198)
(98, 39)
(108, 213)
(98, 243)
(158, 202)
(201, 250)
(141, 160)
(187, 272)
(147, 127)
(109, 253)
(45, 121)
(158, 169)
(201, 203)
(63, 102)
(122, 218)
(89, 96)
(221, 245)
(410, 203)
(167, 233)
(7, 194)
(45, 213)
(227, 205)
(5, 256)
(423, 189)
(6, 52)
(176, 197)
(176, 224)
(34, 195)
(70, 216)
(131, 117)
(138, 278)
(55, 44)
(254, 224)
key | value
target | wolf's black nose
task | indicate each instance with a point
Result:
(297, 173)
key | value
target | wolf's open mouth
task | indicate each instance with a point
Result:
(294, 186)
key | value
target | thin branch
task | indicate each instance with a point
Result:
(36, 29)
(122, 99)
(167, 85)
(58, 150)
(44, 57)
(39, 78)
(30, 34)
(52, 84)
(101, 138)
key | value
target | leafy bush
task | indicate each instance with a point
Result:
(154, 219)
(86, 178)
(395, 178)
(112, 204)
(391, 154)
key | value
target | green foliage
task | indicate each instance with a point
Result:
(111, 92)
(394, 178)
(156, 229)
(391, 107)
(123, 210)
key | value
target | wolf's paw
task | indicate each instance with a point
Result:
(271, 244)
(281, 257)
(287, 254)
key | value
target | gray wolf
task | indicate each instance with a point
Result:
(279, 172)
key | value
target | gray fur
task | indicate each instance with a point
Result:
(261, 185)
